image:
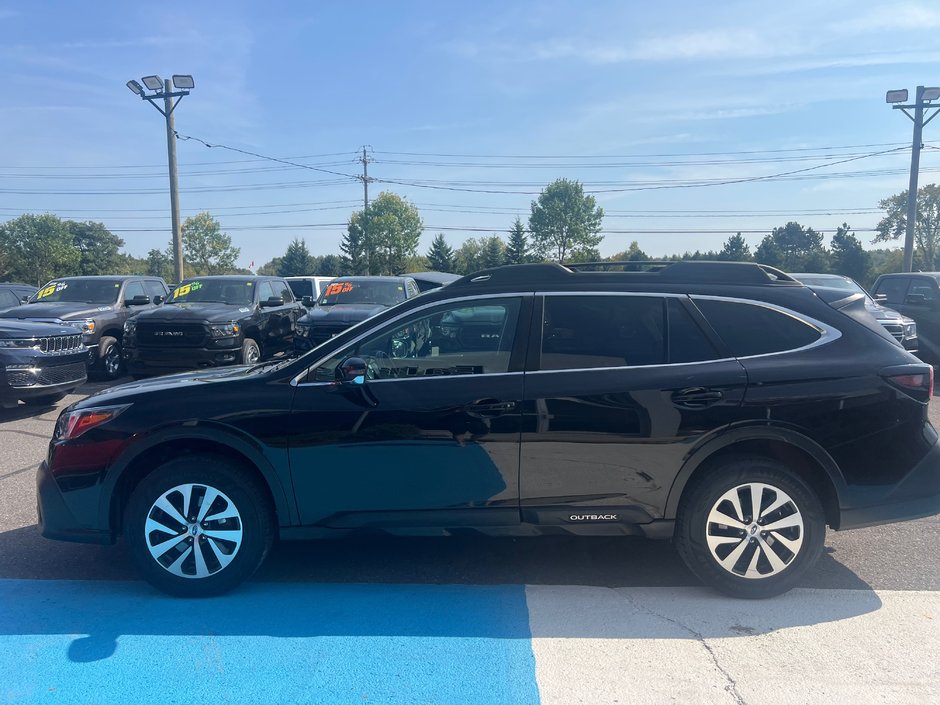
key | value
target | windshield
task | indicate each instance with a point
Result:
(87, 291)
(301, 287)
(236, 292)
(843, 283)
(386, 293)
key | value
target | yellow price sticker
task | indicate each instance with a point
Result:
(183, 290)
(46, 292)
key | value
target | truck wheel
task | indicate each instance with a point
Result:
(749, 527)
(250, 352)
(198, 526)
(110, 365)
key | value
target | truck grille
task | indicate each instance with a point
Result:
(895, 329)
(321, 333)
(176, 335)
(52, 375)
(60, 343)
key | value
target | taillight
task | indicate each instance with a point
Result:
(73, 424)
(917, 379)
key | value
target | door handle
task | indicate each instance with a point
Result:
(491, 407)
(696, 397)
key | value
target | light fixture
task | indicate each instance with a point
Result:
(930, 94)
(154, 83)
(135, 87)
(183, 82)
(890, 97)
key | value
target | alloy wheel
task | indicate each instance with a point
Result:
(193, 531)
(112, 360)
(754, 530)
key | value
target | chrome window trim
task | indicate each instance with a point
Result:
(295, 380)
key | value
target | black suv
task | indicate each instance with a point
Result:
(13, 294)
(39, 362)
(723, 405)
(99, 305)
(347, 301)
(916, 295)
(213, 321)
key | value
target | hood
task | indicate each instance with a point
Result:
(195, 312)
(29, 329)
(882, 313)
(64, 311)
(341, 313)
(125, 393)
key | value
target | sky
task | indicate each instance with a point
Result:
(679, 117)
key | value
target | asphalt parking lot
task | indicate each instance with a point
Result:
(463, 619)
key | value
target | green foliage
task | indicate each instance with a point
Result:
(735, 249)
(99, 249)
(159, 264)
(926, 225)
(329, 266)
(565, 223)
(847, 256)
(296, 261)
(440, 255)
(467, 258)
(37, 248)
(793, 248)
(493, 253)
(206, 249)
(269, 269)
(381, 240)
(517, 247)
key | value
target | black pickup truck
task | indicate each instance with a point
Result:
(98, 306)
(213, 321)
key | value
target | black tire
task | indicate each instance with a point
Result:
(44, 400)
(702, 496)
(238, 488)
(109, 365)
(250, 353)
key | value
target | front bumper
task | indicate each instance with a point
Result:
(916, 496)
(41, 376)
(162, 360)
(56, 519)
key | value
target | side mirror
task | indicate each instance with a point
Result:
(157, 300)
(880, 298)
(916, 299)
(137, 301)
(352, 370)
(308, 301)
(272, 301)
(24, 299)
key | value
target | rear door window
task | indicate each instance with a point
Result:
(752, 329)
(302, 288)
(133, 289)
(894, 288)
(924, 287)
(8, 298)
(155, 288)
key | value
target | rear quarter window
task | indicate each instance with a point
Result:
(751, 329)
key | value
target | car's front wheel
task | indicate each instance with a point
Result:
(110, 365)
(750, 527)
(198, 526)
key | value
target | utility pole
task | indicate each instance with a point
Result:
(923, 96)
(162, 89)
(365, 208)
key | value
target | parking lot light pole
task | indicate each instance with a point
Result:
(162, 89)
(923, 96)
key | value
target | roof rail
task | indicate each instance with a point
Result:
(693, 271)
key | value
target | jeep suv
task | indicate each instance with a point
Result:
(99, 306)
(722, 405)
(213, 321)
(39, 362)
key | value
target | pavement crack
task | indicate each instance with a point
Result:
(731, 686)
(17, 472)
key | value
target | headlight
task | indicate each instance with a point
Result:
(130, 326)
(88, 325)
(223, 330)
(910, 330)
(22, 343)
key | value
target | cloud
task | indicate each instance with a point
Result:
(544, 50)
(892, 17)
(711, 44)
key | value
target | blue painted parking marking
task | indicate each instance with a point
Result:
(96, 642)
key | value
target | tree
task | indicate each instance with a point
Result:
(296, 261)
(159, 265)
(926, 224)
(270, 269)
(735, 249)
(848, 257)
(517, 247)
(440, 255)
(329, 266)
(99, 248)
(467, 258)
(206, 248)
(37, 248)
(565, 222)
(793, 248)
(388, 236)
(493, 253)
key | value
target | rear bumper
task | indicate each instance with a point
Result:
(56, 520)
(915, 497)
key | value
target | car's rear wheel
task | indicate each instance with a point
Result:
(750, 527)
(198, 526)
(110, 365)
